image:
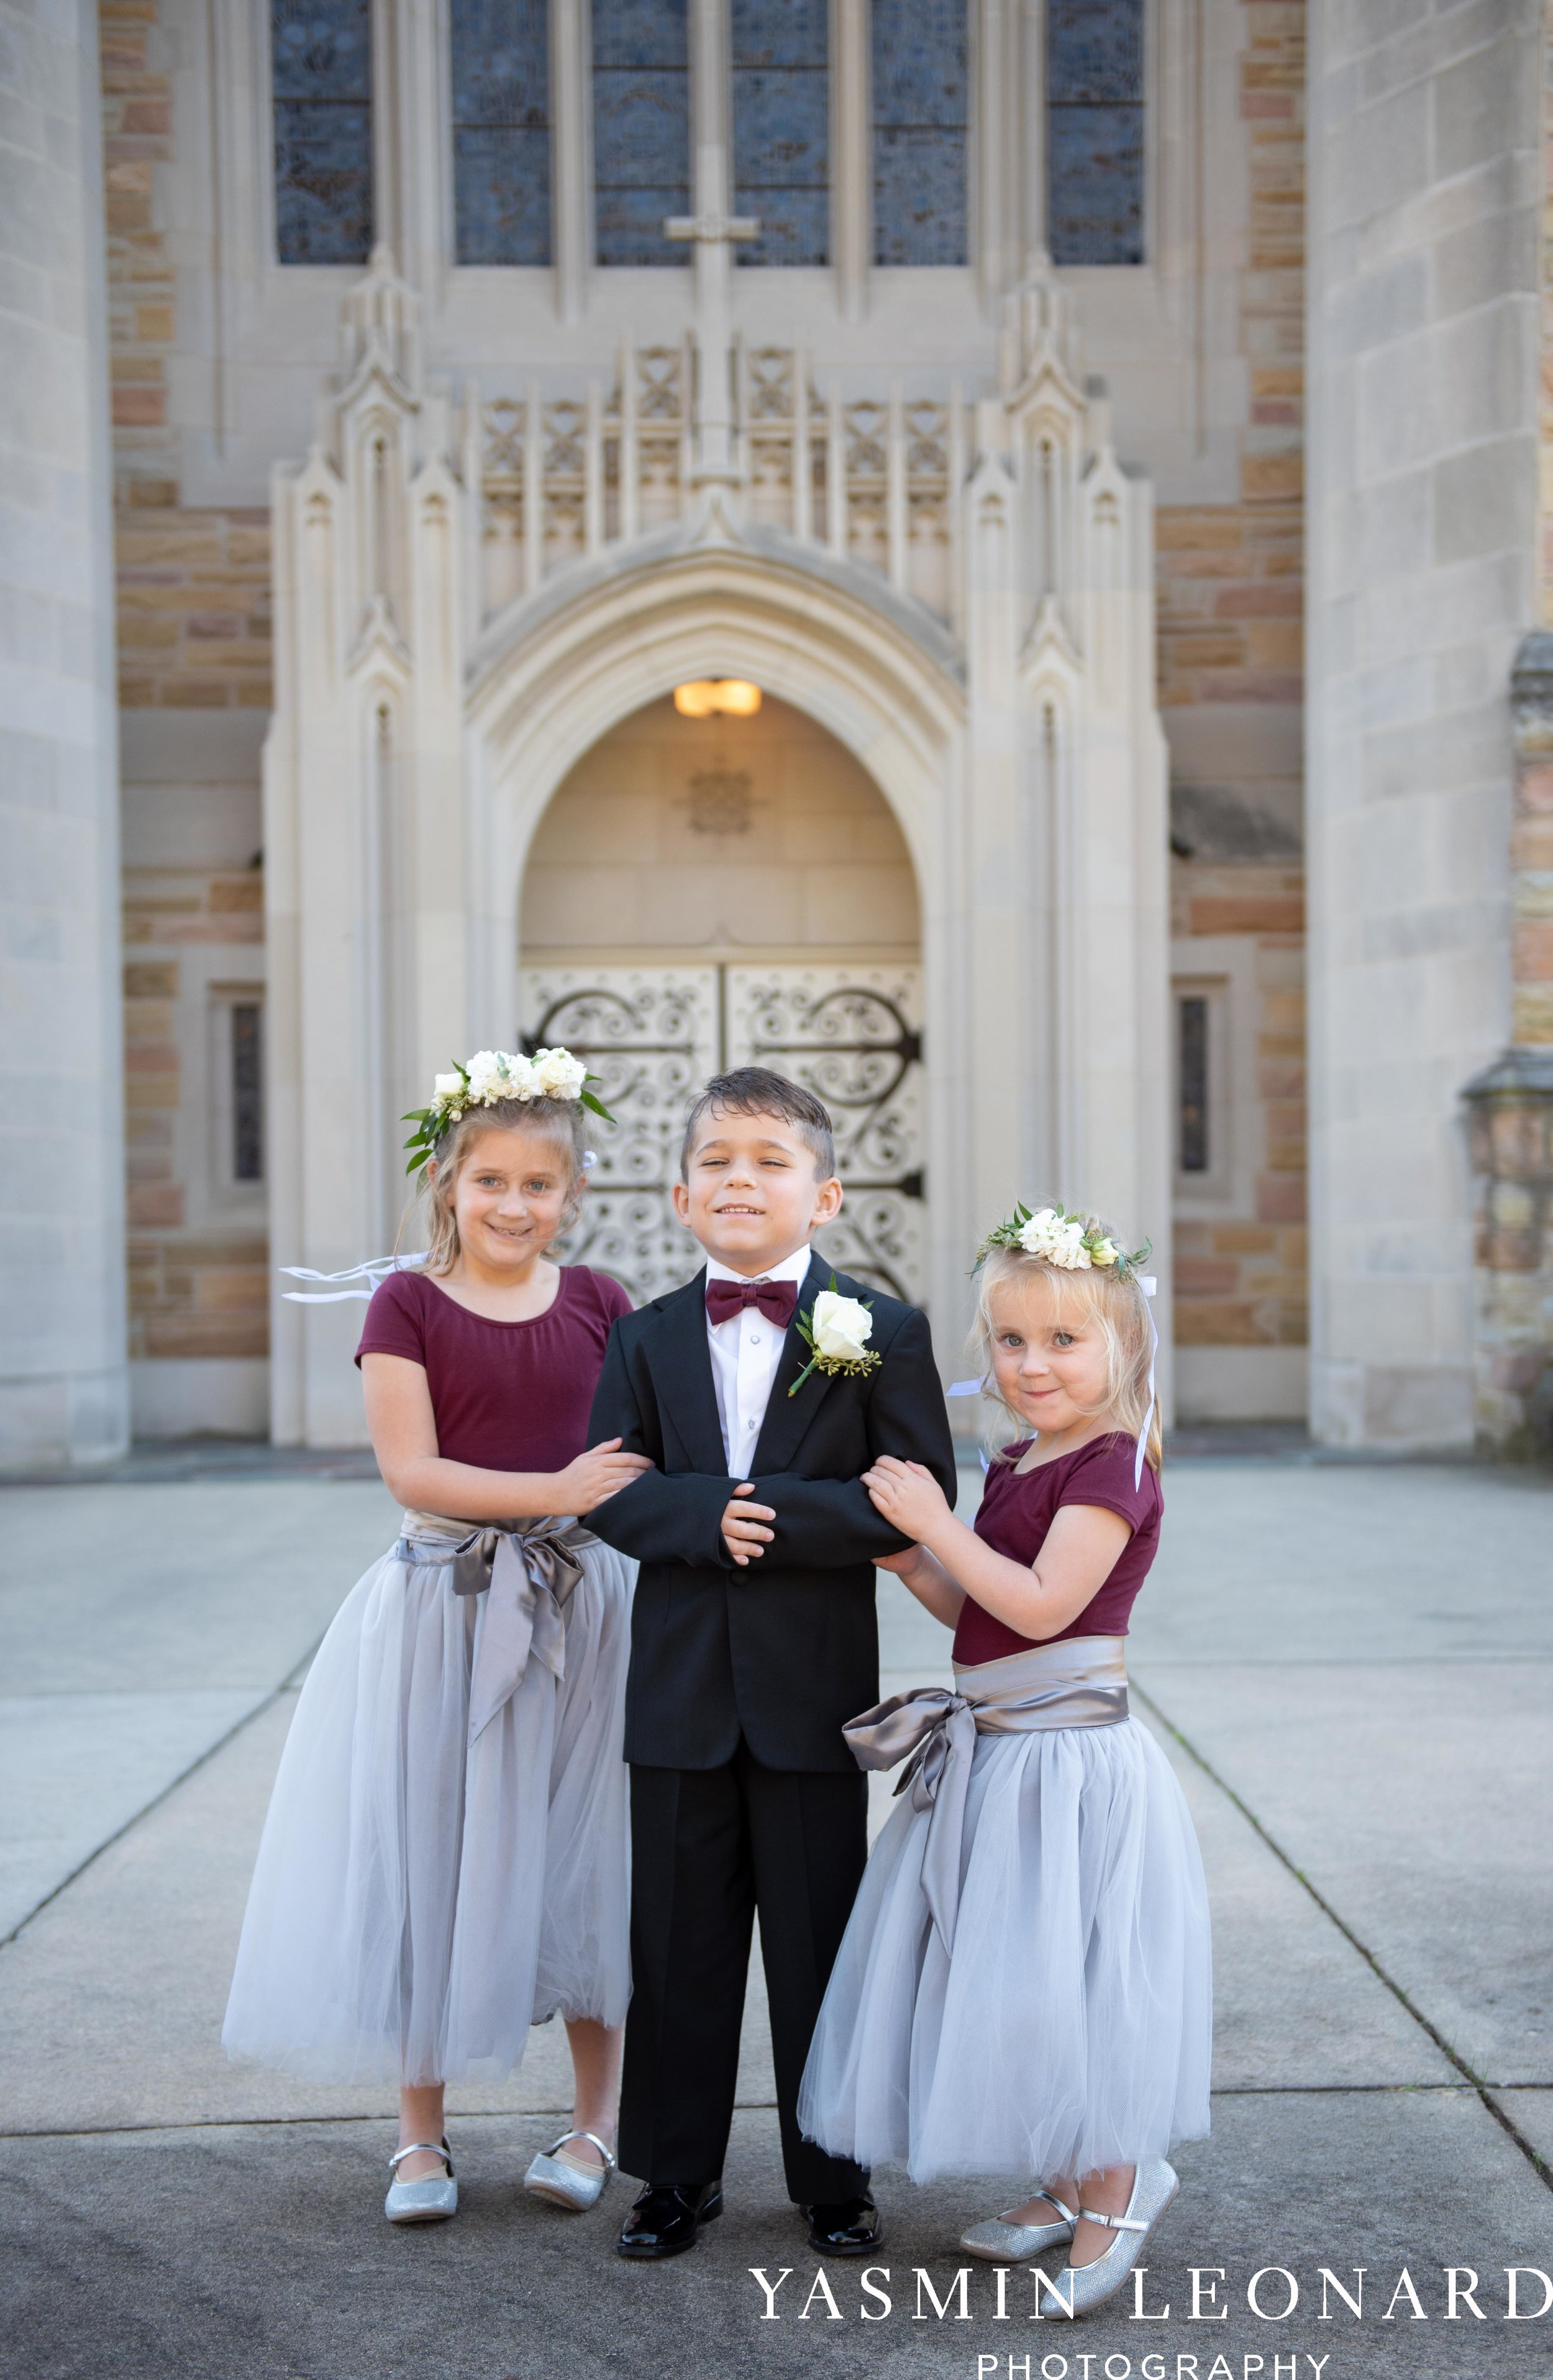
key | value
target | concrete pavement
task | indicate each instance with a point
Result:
(1351, 1669)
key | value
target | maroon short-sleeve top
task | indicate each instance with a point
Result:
(1017, 1510)
(507, 1396)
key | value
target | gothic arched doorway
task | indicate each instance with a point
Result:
(708, 892)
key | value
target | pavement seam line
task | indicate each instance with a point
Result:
(745, 2108)
(1539, 2165)
(147, 1807)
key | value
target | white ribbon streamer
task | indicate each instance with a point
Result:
(374, 1272)
(1149, 1283)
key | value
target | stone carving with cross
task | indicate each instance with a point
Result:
(713, 233)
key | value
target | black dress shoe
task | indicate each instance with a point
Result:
(849, 2227)
(667, 2215)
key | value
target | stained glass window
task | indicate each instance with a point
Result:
(1191, 1151)
(641, 129)
(1094, 144)
(320, 58)
(921, 98)
(501, 131)
(248, 1092)
(781, 130)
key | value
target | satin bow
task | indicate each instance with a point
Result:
(776, 1299)
(937, 1730)
(1073, 1682)
(527, 1575)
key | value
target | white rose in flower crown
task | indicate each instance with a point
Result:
(487, 1079)
(842, 1327)
(447, 1087)
(1058, 1238)
(1068, 1249)
(557, 1074)
(1104, 1252)
(1035, 1236)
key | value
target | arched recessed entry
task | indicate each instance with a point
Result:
(1024, 778)
(705, 893)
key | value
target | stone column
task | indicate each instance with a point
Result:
(1422, 523)
(852, 154)
(1511, 1109)
(63, 1374)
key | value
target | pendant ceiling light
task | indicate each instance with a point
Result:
(700, 696)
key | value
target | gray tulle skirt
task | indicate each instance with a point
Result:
(1072, 2027)
(420, 1900)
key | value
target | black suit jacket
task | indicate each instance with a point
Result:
(786, 1649)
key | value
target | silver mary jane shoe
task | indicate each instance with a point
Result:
(431, 2199)
(568, 2182)
(1083, 2287)
(1003, 2242)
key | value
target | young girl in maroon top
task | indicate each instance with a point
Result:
(1025, 1987)
(444, 1859)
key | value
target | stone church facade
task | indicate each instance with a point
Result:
(1105, 433)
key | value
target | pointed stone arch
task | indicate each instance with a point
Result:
(544, 691)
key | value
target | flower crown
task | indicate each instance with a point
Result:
(1073, 1243)
(490, 1077)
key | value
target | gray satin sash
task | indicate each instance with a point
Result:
(526, 1572)
(1082, 1681)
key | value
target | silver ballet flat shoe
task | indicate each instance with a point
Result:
(567, 2181)
(1083, 2287)
(1003, 2242)
(431, 2199)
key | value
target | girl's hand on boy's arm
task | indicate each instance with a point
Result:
(907, 1495)
(1083, 1547)
(593, 1477)
(403, 1432)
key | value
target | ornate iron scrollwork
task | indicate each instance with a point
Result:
(654, 1033)
(852, 1042)
(649, 1034)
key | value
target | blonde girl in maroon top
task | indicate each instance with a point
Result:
(444, 1862)
(1025, 1987)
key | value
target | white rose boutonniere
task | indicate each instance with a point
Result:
(836, 1329)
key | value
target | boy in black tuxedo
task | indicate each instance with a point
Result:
(754, 1637)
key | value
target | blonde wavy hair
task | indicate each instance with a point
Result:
(559, 1122)
(1115, 1304)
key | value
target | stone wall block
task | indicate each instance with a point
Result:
(1418, 581)
(1494, 255)
(1511, 1109)
(1532, 1016)
(1518, 1373)
(1380, 154)
(1479, 498)
(1478, 101)
(62, 1382)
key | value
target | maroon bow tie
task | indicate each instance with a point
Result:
(776, 1299)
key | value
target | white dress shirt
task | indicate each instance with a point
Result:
(746, 1351)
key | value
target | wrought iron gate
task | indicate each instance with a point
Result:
(852, 1035)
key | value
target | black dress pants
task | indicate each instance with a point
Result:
(708, 1848)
